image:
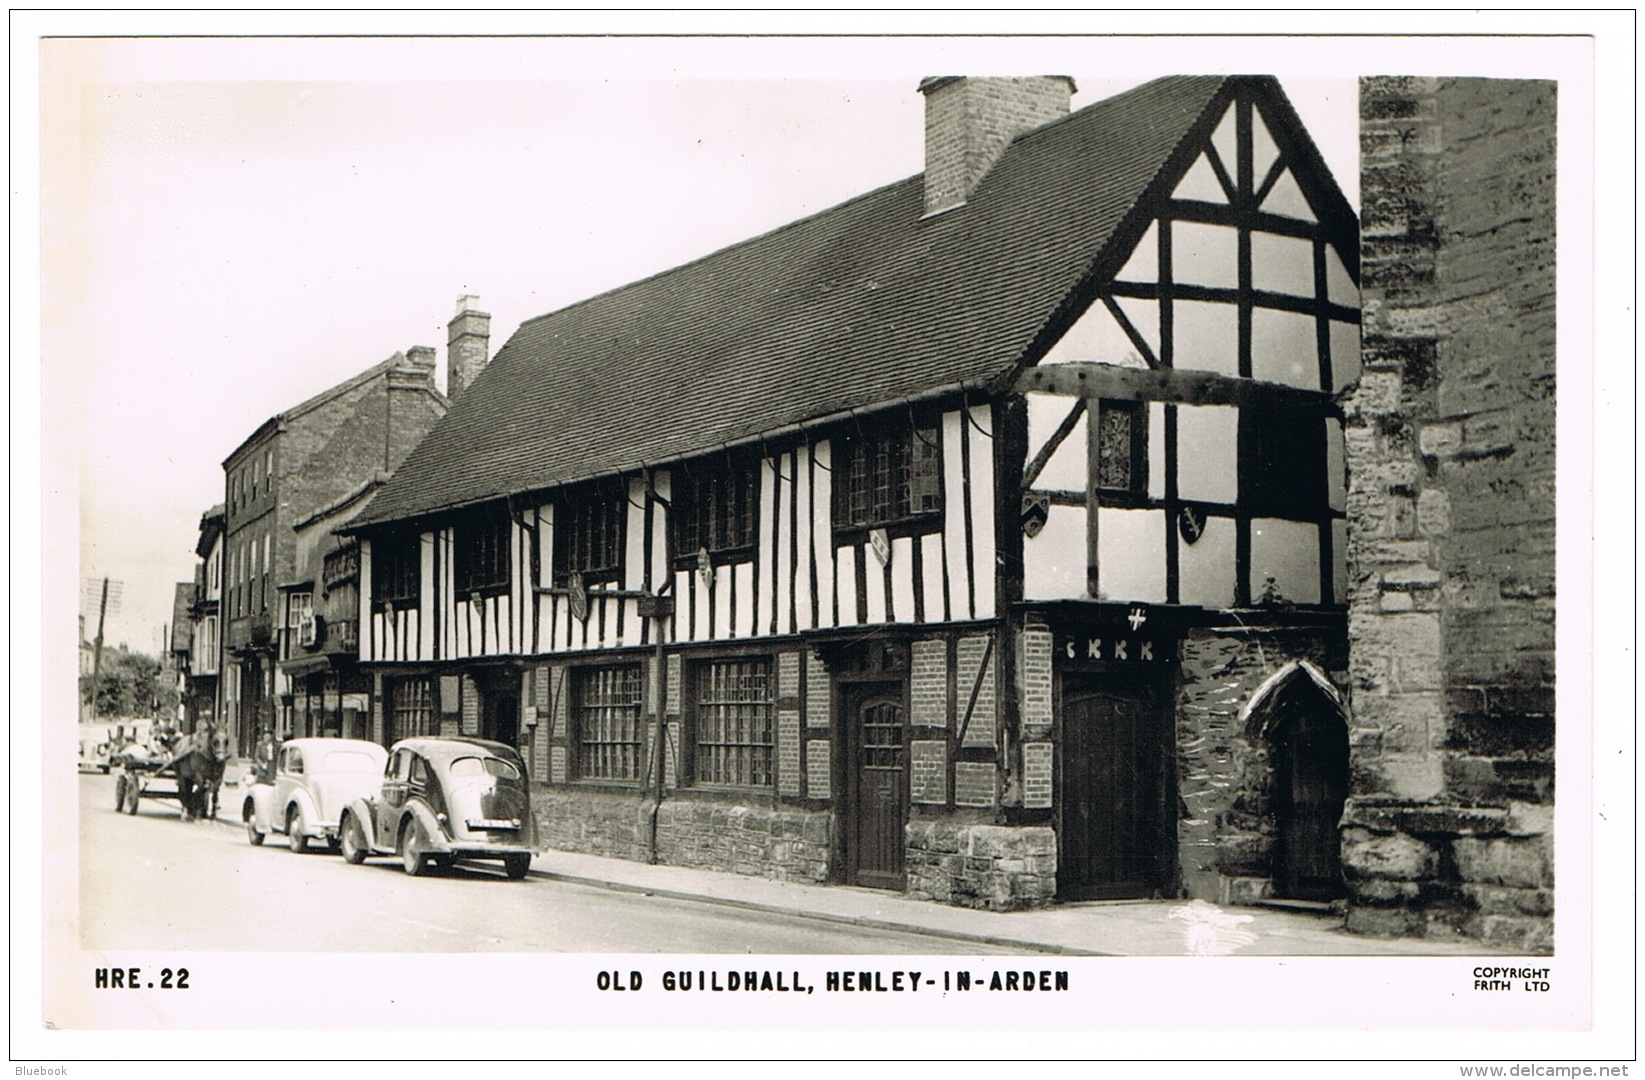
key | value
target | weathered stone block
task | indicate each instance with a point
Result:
(1383, 921)
(1497, 900)
(1404, 858)
(1529, 819)
(1517, 862)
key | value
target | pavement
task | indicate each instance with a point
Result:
(1101, 928)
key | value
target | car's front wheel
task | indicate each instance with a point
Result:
(296, 835)
(515, 866)
(253, 833)
(353, 840)
(414, 849)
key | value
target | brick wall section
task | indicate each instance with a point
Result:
(980, 729)
(470, 707)
(975, 784)
(928, 771)
(1035, 681)
(1036, 776)
(1450, 439)
(817, 775)
(928, 684)
(977, 864)
(788, 752)
(788, 675)
(675, 683)
(1225, 837)
(816, 691)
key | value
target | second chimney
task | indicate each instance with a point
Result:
(970, 121)
(468, 345)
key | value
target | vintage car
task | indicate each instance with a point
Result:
(95, 748)
(314, 780)
(445, 801)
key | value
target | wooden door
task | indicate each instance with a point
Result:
(1118, 833)
(500, 717)
(877, 810)
(1310, 787)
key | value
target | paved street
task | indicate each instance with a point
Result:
(154, 882)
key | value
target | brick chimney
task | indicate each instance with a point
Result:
(468, 346)
(970, 121)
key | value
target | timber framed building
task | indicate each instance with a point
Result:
(981, 537)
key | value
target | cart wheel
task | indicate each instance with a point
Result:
(120, 794)
(134, 792)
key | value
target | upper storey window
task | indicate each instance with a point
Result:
(396, 569)
(715, 506)
(481, 555)
(588, 534)
(889, 475)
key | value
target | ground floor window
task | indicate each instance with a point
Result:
(608, 723)
(411, 708)
(733, 741)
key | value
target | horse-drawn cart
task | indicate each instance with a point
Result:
(190, 775)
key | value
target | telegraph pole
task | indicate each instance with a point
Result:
(97, 650)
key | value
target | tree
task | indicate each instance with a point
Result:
(132, 684)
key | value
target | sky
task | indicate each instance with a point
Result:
(231, 226)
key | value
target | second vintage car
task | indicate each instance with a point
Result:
(314, 779)
(444, 801)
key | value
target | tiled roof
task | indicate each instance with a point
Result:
(861, 305)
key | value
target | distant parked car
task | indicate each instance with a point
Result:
(314, 779)
(444, 801)
(95, 748)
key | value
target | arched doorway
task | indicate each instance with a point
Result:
(1298, 714)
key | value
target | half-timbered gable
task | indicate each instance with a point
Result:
(911, 517)
(1183, 431)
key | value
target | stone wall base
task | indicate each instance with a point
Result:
(1434, 871)
(978, 864)
(782, 843)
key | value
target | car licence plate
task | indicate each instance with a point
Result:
(493, 823)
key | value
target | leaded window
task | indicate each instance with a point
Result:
(588, 535)
(889, 476)
(411, 708)
(396, 569)
(734, 741)
(715, 506)
(481, 556)
(1121, 439)
(608, 723)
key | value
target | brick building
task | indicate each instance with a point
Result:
(1450, 440)
(981, 538)
(202, 662)
(295, 463)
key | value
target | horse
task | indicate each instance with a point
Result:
(199, 771)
